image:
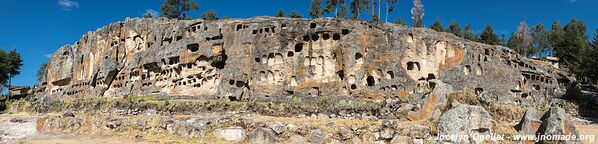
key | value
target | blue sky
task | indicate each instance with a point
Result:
(36, 28)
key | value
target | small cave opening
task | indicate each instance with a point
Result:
(315, 37)
(341, 74)
(345, 31)
(254, 32)
(257, 60)
(306, 38)
(240, 84)
(413, 66)
(371, 81)
(312, 25)
(239, 27)
(358, 56)
(193, 47)
(336, 36)
(325, 36)
(431, 76)
(353, 86)
(524, 95)
(390, 74)
(231, 82)
(298, 47)
(290, 54)
(478, 91)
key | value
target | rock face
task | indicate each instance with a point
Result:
(557, 122)
(265, 57)
(465, 120)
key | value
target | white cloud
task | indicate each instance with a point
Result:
(153, 12)
(68, 5)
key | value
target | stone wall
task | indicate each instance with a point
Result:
(266, 57)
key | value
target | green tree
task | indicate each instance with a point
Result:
(178, 9)
(488, 36)
(41, 72)
(314, 9)
(400, 21)
(541, 39)
(148, 15)
(295, 14)
(10, 65)
(343, 12)
(357, 6)
(280, 13)
(455, 29)
(437, 26)
(570, 46)
(590, 59)
(209, 15)
(333, 6)
(468, 33)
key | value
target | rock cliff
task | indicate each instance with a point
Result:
(266, 58)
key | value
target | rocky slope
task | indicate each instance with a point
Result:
(353, 81)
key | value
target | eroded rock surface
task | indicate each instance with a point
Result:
(265, 57)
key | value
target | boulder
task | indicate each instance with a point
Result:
(318, 136)
(345, 133)
(262, 135)
(557, 122)
(530, 122)
(236, 134)
(465, 120)
(277, 127)
(433, 102)
(188, 128)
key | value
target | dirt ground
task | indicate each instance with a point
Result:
(591, 129)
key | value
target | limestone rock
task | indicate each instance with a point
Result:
(261, 57)
(530, 123)
(236, 134)
(262, 135)
(277, 127)
(465, 120)
(557, 122)
(318, 136)
(433, 102)
(345, 133)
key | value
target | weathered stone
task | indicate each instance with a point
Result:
(298, 139)
(277, 127)
(557, 122)
(433, 102)
(262, 136)
(530, 122)
(387, 133)
(318, 136)
(265, 56)
(231, 134)
(418, 131)
(188, 128)
(465, 120)
(68, 114)
(345, 133)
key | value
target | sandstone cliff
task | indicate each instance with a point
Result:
(266, 57)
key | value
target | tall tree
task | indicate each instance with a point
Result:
(12, 63)
(418, 13)
(178, 9)
(280, 13)
(541, 40)
(314, 9)
(209, 15)
(344, 11)
(455, 29)
(389, 8)
(333, 6)
(521, 40)
(357, 6)
(437, 26)
(591, 60)
(468, 33)
(3, 69)
(571, 44)
(295, 14)
(488, 36)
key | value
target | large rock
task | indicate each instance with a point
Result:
(465, 120)
(318, 136)
(530, 122)
(264, 57)
(557, 122)
(188, 128)
(236, 134)
(433, 102)
(262, 135)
